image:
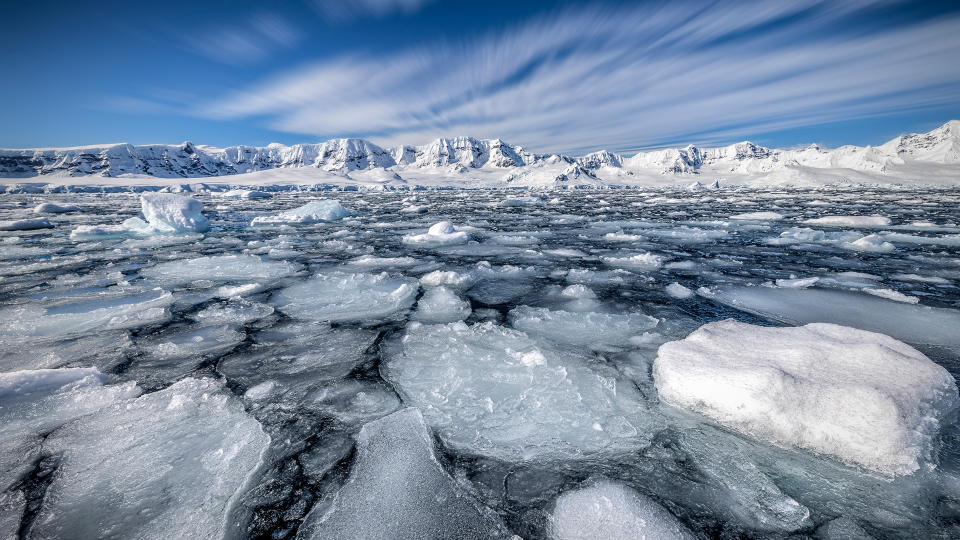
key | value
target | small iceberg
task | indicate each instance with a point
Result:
(321, 211)
(438, 235)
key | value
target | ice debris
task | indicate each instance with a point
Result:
(324, 210)
(28, 224)
(344, 297)
(439, 234)
(441, 305)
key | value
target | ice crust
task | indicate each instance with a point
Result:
(343, 297)
(494, 391)
(229, 268)
(324, 210)
(613, 512)
(397, 488)
(861, 397)
(592, 330)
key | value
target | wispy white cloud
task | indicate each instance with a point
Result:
(622, 78)
(348, 9)
(250, 41)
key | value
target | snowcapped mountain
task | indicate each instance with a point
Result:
(466, 160)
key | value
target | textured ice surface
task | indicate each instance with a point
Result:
(641, 262)
(398, 489)
(165, 464)
(612, 511)
(494, 391)
(914, 324)
(850, 221)
(341, 297)
(758, 216)
(441, 305)
(861, 397)
(169, 213)
(590, 330)
(220, 268)
(323, 210)
(439, 234)
(872, 243)
(28, 224)
(678, 291)
(55, 208)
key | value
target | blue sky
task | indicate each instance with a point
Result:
(553, 76)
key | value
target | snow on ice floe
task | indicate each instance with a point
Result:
(592, 330)
(165, 213)
(441, 305)
(678, 291)
(474, 384)
(758, 216)
(916, 324)
(55, 208)
(345, 297)
(861, 397)
(220, 268)
(28, 224)
(641, 262)
(612, 511)
(438, 235)
(322, 211)
(872, 243)
(891, 294)
(243, 194)
(448, 278)
(849, 221)
(118, 475)
(397, 487)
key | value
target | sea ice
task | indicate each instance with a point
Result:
(441, 305)
(891, 294)
(28, 224)
(641, 262)
(599, 331)
(438, 235)
(759, 216)
(872, 243)
(862, 397)
(397, 488)
(613, 512)
(324, 210)
(343, 297)
(493, 391)
(55, 208)
(220, 268)
(173, 214)
(448, 278)
(169, 463)
(849, 221)
(243, 194)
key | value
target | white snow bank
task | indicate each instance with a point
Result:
(169, 213)
(612, 511)
(849, 221)
(759, 216)
(220, 268)
(398, 489)
(323, 210)
(167, 464)
(439, 234)
(441, 305)
(25, 224)
(599, 331)
(55, 208)
(494, 391)
(343, 297)
(862, 397)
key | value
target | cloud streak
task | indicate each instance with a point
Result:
(622, 78)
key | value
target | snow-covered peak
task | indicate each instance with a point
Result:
(942, 145)
(600, 159)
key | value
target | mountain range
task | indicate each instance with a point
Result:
(932, 157)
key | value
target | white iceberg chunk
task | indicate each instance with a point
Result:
(439, 234)
(678, 291)
(55, 208)
(862, 397)
(872, 243)
(166, 464)
(324, 210)
(612, 511)
(758, 216)
(169, 213)
(220, 268)
(243, 194)
(849, 221)
(494, 391)
(891, 294)
(441, 305)
(343, 297)
(28, 224)
(641, 262)
(448, 278)
(397, 488)
(599, 331)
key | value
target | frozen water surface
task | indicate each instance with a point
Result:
(480, 364)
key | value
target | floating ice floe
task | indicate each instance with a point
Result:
(494, 391)
(117, 476)
(922, 325)
(891, 294)
(448, 278)
(678, 291)
(849, 221)
(438, 235)
(343, 297)
(372, 262)
(220, 268)
(600, 331)
(519, 202)
(28, 224)
(165, 213)
(797, 283)
(641, 262)
(55, 208)
(872, 243)
(321, 211)
(243, 194)
(397, 487)
(758, 216)
(441, 305)
(862, 397)
(613, 512)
